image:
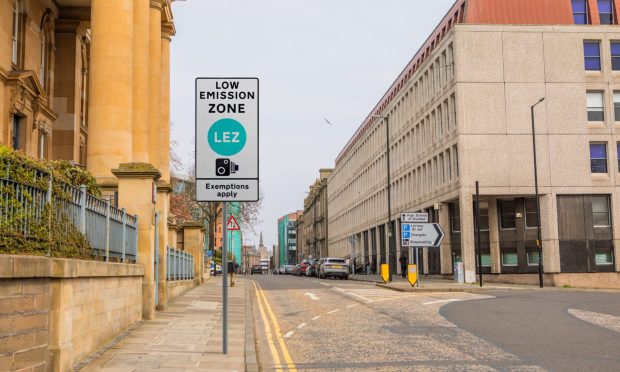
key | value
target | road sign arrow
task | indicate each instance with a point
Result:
(422, 234)
(440, 234)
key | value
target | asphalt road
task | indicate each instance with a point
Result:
(334, 325)
(558, 330)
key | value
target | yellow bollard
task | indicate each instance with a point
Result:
(412, 274)
(385, 272)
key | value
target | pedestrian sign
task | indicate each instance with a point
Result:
(232, 224)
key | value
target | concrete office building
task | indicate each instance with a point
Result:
(460, 113)
(312, 231)
(287, 238)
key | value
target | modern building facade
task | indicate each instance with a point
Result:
(460, 112)
(312, 238)
(287, 238)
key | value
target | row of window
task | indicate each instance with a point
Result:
(598, 157)
(511, 259)
(592, 55)
(581, 12)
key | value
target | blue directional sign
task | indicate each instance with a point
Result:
(406, 235)
(406, 227)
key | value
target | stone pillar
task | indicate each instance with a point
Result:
(111, 81)
(468, 249)
(496, 264)
(61, 325)
(615, 222)
(550, 233)
(164, 145)
(135, 193)
(193, 232)
(154, 67)
(141, 50)
(445, 251)
(163, 207)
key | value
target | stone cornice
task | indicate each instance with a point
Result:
(136, 170)
(75, 13)
(156, 4)
(164, 186)
(168, 30)
(193, 225)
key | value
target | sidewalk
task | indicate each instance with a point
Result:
(434, 284)
(187, 336)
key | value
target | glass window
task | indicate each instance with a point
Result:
(531, 217)
(484, 215)
(532, 258)
(606, 258)
(600, 211)
(618, 154)
(15, 32)
(455, 217)
(508, 215)
(486, 259)
(580, 12)
(510, 259)
(615, 56)
(16, 132)
(606, 12)
(598, 157)
(596, 111)
(617, 106)
(592, 55)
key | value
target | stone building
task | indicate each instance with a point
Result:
(89, 81)
(313, 232)
(460, 112)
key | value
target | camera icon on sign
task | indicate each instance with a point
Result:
(224, 167)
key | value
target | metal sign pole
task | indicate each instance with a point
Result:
(224, 280)
(417, 264)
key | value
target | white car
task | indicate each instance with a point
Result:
(334, 267)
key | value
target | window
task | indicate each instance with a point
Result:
(531, 217)
(600, 211)
(486, 259)
(598, 157)
(606, 12)
(617, 106)
(532, 258)
(604, 258)
(510, 259)
(615, 56)
(16, 139)
(16, 32)
(508, 215)
(484, 215)
(592, 55)
(455, 217)
(618, 154)
(596, 106)
(580, 12)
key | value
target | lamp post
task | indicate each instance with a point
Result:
(389, 188)
(539, 238)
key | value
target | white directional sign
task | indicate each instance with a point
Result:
(413, 217)
(421, 234)
(226, 139)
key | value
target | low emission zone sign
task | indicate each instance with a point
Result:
(227, 139)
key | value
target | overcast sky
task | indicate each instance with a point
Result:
(316, 60)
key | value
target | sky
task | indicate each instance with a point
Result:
(316, 60)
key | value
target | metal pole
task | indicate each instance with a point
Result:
(479, 249)
(389, 196)
(539, 239)
(224, 279)
(417, 265)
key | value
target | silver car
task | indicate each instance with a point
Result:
(333, 267)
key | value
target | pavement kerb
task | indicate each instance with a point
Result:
(250, 352)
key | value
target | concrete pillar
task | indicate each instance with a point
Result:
(155, 84)
(111, 91)
(468, 249)
(496, 265)
(135, 193)
(550, 233)
(141, 50)
(424, 254)
(166, 37)
(193, 232)
(163, 206)
(615, 222)
(445, 251)
(61, 325)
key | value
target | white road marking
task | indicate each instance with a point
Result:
(312, 296)
(339, 289)
(358, 296)
(289, 334)
(327, 285)
(441, 301)
(316, 281)
(333, 311)
(601, 320)
(301, 325)
(350, 306)
(315, 318)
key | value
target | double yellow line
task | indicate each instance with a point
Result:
(276, 334)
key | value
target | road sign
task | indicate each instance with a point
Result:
(227, 139)
(421, 234)
(413, 217)
(232, 224)
(412, 274)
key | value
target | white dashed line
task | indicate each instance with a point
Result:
(289, 334)
(327, 285)
(350, 306)
(315, 318)
(440, 301)
(312, 296)
(301, 325)
(339, 289)
(333, 311)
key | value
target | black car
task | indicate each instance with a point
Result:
(256, 269)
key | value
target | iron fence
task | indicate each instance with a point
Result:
(110, 231)
(180, 265)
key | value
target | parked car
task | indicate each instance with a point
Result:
(335, 268)
(256, 269)
(301, 268)
(288, 269)
(282, 270)
(311, 270)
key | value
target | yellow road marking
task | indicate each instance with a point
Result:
(272, 346)
(276, 327)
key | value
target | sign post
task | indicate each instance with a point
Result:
(416, 233)
(226, 154)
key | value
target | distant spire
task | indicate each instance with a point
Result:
(261, 238)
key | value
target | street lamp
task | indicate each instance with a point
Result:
(389, 188)
(539, 239)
